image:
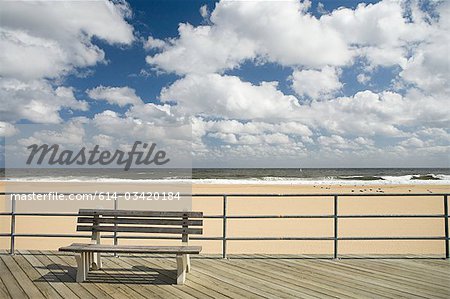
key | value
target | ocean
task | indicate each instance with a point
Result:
(242, 175)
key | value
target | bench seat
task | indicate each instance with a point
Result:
(81, 247)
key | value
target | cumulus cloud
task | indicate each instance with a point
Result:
(7, 129)
(285, 33)
(229, 97)
(280, 32)
(120, 96)
(36, 101)
(316, 84)
(46, 39)
(204, 12)
(154, 43)
(429, 66)
(363, 78)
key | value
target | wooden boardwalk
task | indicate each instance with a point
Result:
(50, 274)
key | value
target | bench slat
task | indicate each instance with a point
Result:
(134, 213)
(79, 247)
(139, 229)
(139, 221)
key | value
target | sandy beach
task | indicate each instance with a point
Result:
(273, 227)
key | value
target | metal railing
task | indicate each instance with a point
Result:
(226, 218)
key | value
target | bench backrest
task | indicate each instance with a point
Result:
(131, 221)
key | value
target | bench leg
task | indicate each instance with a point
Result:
(86, 267)
(181, 268)
(89, 261)
(188, 263)
(96, 261)
(81, 267)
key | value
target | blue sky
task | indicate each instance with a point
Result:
(265, 84)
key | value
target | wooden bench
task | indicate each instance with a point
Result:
(155, 222)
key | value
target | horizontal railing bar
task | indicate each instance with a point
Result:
(256, 195)
(331, 238)
(276, 216)
(38, 214)
(72, 214)
(107, 236)
(54, 236)
(389, 238)
(280, 238)
(318, 194)
(233, 238)
(262, 216)
(167, 238)
(393, 216)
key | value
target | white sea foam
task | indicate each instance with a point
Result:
(385, 180)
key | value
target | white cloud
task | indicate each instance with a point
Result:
(36, 101)
(412, 142)
(316, 84)
(429, 66)
(286, 34)
(367, 113)
(121, 96)
(229, 97)
(204, 12)
(202, 49)
(7, 129)
(154, 43)
(280, 32)
(363, 78)
(334, 142)
(321, 8)
(44, 39)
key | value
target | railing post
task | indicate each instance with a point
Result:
(115, 225)
(335, 211)
(446, 226)
(224, 228)
(13, 226)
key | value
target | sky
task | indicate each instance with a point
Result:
(262, 83)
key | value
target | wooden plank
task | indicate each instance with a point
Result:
(172, 222)
(418, 281)
(113, 287)
(261, 287)
(282, 289)
(190, 290)
(3, 290)
(344, 267)
(11, 284)
(46, 289)
(193, 288)
(159, 287)
(63, 276)
(48, 276)
(319, 279)
(80, 247)
(139, 229)
(209, 284)
(413, 269)
(90, 287)
(26, 284)
(139, 213)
